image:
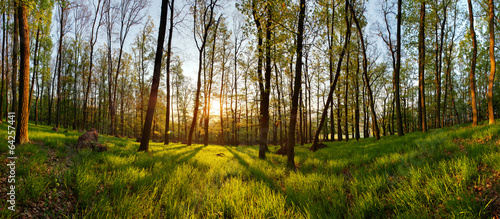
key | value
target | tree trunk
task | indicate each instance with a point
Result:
(421, 69)
(201, 50)
(491, 116)
(14, 62)
(59, 63)
(472, 78)
(365, 71)
(397, 73)
(24, 110)
(296, 88)
(345, 98)
(356, 110)
(315, 145)
(146, 132)
(169, 51)
(208, 94)
(3, 69)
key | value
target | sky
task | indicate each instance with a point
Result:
(183, 42)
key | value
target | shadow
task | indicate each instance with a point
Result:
(190, 154)
(256, 173)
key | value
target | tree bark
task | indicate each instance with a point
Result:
(146, 132)
(421, 70)
(397, 73)
(315, 145)
(3, 69)
(472, 78)
(14, 61)
(22, 118)
(201, 49)
(365, 71)
(491, 26)
(169, 51)
(296, 88)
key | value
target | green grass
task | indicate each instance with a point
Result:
(446, 173)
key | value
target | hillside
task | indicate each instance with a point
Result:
(449, 172)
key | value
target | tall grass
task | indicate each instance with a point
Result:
(416, 176)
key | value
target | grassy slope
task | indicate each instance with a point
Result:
(451, 172)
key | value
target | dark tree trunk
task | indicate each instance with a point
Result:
(24, 77)
(35, 66)
(146, 132)
(421, 69)
(296, 88)
(397, 73)
(365, 72)
(59, 64)
(169, 51)
(315, 145)
(201, 50)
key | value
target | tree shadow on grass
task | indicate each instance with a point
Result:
(190, 154)
(257, 173)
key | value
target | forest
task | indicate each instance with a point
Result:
(249, 108)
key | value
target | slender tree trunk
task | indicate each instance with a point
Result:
(35, 65)
(169, 51)
(59, 64)
(345, 97)
(421, 69)
(210, 77)
(356, 110)
(201, 50)
(3, 69)
(93, 40)
(397, 72)
(24, 77)
(491, 116)
(365, 72)
(472, 78)
(296, 88)
(146, 132)
(14, 62)
(315, 145)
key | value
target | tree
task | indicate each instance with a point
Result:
(491, 26)
(129, 15)
(365, 73)
(15, 49)
(63, 15)
(22, 119)
(4, 41)
(315, 145)
(206, 21)
(421, 69)
(397, 73)
(472, 78)
(146, 132)
(169, 51)
(296, 86)
(96, 24)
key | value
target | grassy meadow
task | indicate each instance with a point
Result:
(446, 173)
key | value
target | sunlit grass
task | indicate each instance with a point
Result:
(415, 176)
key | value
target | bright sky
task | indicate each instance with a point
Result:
(183, 42)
